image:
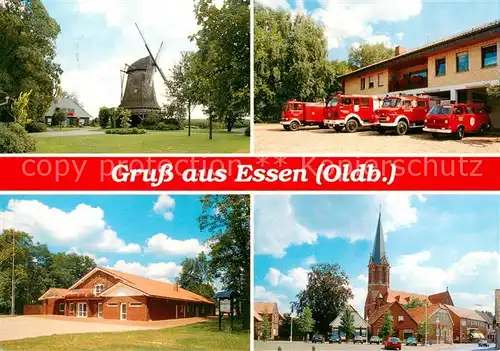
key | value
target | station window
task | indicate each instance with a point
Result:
(489, 56)
(61, 307)
(365, 102)
(380, 79)
(371, 82)
(363, 83)
(441, 67)
(462, 62)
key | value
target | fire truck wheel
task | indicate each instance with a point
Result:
(402, 128)
(323, 126)
(294, 126)
(338, 129)
(484, 128)
(352, 125)
(286, 127)
(460, 133)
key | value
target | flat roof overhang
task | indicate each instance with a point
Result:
(420, 55)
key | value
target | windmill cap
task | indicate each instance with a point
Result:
(141, 64)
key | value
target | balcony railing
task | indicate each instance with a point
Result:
(407, 83)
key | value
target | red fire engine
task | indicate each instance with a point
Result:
(403, 112)
(297, 113)
(350, 111)
(457, 119)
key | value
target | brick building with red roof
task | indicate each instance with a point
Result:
(110, 294)
(445, 321)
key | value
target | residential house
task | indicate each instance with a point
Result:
(468, 325)
(110, 294)
(361, 326)
(457, 68)
(75, 114)
(497, 317)
(404, 325)
(439, 323)
(269, 310)
(490, 326)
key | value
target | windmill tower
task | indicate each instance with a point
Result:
(139, 95)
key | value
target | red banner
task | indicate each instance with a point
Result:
(248, 173)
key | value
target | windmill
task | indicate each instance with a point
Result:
(139, 95)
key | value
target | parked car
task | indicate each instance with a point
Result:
(411, 342)
(484, 343)
(457, 119)
(359, 338)
(393, 344)
(334, 339)
(375, 340)
(297, 113)
(318, 339)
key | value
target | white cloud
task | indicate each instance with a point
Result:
(400, 36)
(379, 39)
(168, 21)
(353, 18)
(164, 271)
(481, 302)
(109, 241)
(295, 280)
(264, 295)
(98, 260)
(164, 206)
(397, 210)
(162, 244)
(309, 261)
(362, 278)
(84, 226)
(358, 301)
(473, 269)
(276, 227)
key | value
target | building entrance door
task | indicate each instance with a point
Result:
(99, 310)
(81, 309)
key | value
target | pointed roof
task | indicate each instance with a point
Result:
(378, 255)
(359, 322)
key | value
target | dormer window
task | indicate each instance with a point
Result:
(98, 288)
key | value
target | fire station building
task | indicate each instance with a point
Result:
(458, 68)
(110, 294)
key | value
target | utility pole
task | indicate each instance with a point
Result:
(426, 322)
(13, 300)
(291, 327)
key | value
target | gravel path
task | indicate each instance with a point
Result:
(272, 138)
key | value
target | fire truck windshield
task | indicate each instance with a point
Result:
(391, 102)
(440, 110)
(332, 102)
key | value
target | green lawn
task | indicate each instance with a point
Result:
(152, 142)
(200, 336)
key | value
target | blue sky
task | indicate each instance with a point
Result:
(432, 242)
(409, 23)
(99, 37)
(146, 235)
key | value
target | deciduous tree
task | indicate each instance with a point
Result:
(305, 323)
(326, 294)
(265, 328)
(387, 323)
(196, 276)
(415, 302)
(227, 218)
(367, 54)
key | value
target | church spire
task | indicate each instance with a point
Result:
(378, 254)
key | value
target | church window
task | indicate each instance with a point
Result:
(400, 318)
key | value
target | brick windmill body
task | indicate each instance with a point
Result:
(139, 96)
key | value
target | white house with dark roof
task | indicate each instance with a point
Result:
(75, 114)
(360, 325)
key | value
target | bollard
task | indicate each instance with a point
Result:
(314, 348)
(279, 348)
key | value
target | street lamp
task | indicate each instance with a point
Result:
(438, 329)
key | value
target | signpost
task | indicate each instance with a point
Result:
(226, 304)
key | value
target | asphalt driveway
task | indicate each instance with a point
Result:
(21, 327)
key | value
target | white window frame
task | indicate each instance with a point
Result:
(80, 312)
(63, 307)
(400, 318)
(100, 309)
(99, 285)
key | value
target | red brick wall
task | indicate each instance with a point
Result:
(32, 309)
(51, 306)
(97, 277)
(133, 313)
(398, 326)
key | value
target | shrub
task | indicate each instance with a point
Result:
(15, 139)
(167, 126)
(124, 131)
(36, 127)
(247, 132)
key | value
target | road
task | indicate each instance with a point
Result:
(300, 346)
(272, 138)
